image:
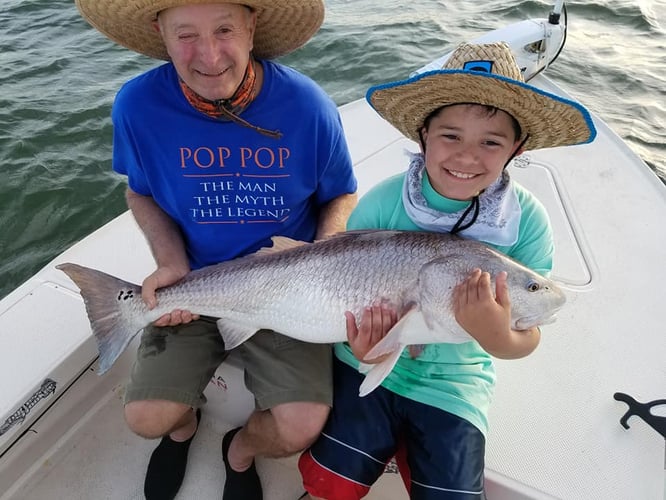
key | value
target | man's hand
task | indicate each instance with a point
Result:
(168, 248)
(162, 277)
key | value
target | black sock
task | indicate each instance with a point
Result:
(166, 468)
(239, 485)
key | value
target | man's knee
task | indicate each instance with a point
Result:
(299, 424)
(154, 418)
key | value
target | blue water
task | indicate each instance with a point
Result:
(59, 76)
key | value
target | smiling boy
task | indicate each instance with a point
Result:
(470, 119)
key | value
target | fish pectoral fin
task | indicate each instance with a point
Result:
(400, 335)
(234, 333)
(392, 345)
(364, 368)
(378, 372)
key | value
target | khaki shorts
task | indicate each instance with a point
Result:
(176, 364)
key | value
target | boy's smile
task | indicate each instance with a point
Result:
(466, 148)
(461, 175)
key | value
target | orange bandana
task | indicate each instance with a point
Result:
(229, 109)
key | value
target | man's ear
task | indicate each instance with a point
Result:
(156, 25)
(252, 26)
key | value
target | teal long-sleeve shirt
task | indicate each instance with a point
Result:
(457, 378)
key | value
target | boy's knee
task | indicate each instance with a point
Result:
(320, 482)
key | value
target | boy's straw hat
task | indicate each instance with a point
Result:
(282, 25)
(484, 74)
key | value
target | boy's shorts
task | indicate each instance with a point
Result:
(443, 453)
(176, 364)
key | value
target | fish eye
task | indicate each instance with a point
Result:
(533, 286)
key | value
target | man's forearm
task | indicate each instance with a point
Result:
(334, 215)
(161, 232)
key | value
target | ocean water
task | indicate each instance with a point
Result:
(58, 78)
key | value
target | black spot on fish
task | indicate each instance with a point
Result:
(124, 295)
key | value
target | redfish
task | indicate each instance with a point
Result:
(303, 289)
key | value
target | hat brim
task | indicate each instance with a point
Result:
(282, 25)
(550, 120)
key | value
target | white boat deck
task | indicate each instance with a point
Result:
(555, 430)
(99, 458)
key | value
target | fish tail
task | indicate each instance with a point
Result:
(104, 297)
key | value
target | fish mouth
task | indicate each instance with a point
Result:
(527, 322)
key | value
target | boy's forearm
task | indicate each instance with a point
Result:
(514, 345)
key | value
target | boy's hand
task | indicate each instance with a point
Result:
(486, 315)
(483, 312)
(376, 321)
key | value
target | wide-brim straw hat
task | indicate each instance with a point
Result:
(282, 25)
(484, 74)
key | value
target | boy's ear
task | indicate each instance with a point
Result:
(423, 136)
(520, 150)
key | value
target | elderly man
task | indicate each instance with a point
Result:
(198, 138)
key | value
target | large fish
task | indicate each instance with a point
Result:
(303, 289)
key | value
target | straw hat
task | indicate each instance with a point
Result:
(484, 74)
(282, 25)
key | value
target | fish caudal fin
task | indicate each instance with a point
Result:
(376, 375)
(106, 298)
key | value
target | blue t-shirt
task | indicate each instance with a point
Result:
(228, 187)
(457, 378)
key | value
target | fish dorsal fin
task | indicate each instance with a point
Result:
(370, 234)
(281, 243)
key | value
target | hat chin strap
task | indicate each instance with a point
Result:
(459, 226)
(515, 151)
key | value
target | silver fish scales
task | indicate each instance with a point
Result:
(303, 289)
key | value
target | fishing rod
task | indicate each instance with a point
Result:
(554, 18)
